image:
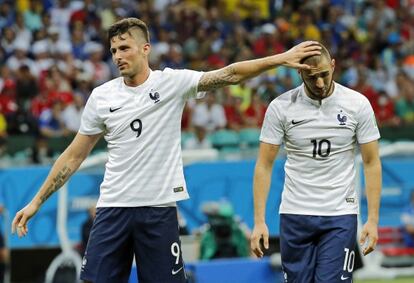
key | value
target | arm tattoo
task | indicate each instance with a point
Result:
(57, 182)
(217, 79)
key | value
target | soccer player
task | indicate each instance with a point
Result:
(320, 122)
(139, 115)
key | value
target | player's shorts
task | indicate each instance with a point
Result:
(318, 249)
(119, 233)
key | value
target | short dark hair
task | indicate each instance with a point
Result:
(315, 59)
(124, 25)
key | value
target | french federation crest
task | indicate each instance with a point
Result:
(342, 119)
(154, 96)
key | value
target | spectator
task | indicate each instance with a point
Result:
(33, 15)
(7, 40)
(268, 43)
(243, 92)
(404, 105)
(43, 60)
(19, 57)
(50, 121)
(200, 139)
(6, 15)
(72, 113)
(8, 105)
(209, 114)
(385, 111)
(255, 113)
(60, 16)
(95, 65)
(224, 236)
(267, 90)
(407, 219)
(232, 110)
(22, 32)
(26, 87)
(186, 118)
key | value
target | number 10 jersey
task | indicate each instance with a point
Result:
(320, 139)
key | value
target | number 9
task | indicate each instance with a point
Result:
(175, 251)
(136, 126)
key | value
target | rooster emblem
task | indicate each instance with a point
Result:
(155, 96)
(342, 119)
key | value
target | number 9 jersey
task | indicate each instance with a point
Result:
(320, 139)
(142, 126)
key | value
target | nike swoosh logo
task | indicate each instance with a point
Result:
(297, 122)
(343, 277)
(114, 109)
(174, 272)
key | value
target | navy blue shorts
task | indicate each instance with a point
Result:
(318, 249)
(120, 233)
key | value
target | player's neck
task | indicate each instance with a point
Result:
(314, 97)
(138, 79)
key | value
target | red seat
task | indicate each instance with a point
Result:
(389, 236)
(398, 251)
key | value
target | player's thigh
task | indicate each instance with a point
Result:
(298, 247)
(157, 246)
(336, 250)
(109, 253)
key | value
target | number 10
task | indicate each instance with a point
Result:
(317, 148)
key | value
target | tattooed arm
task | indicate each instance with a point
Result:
(67, 163)
(240, 71)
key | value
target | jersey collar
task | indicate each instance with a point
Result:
(142, 86)
(316, 102)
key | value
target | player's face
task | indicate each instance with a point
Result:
(129, 53)
(318, 81)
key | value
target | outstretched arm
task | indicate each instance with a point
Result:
(67, 163)
(261, 186)
(372, 172)
(240, 71)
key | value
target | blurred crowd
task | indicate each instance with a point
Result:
(54, 52)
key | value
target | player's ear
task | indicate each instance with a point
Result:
(333, 64)
(146, 48)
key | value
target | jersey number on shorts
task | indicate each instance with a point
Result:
(349, 260)
(175, 250)
(321, 148)
(136, 126)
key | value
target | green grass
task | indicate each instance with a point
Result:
(397, 280)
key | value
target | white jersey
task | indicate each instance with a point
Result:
(142, 127)
(320, 141)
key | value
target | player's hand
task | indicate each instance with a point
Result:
(305, 49)
(369, 237)
(19, 223)
(260, 231)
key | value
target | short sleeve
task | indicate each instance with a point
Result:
(272, 129)
(91, 123)
(187, 82)
(367, 128)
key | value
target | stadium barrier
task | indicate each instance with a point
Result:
(207, 181)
